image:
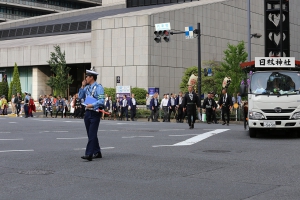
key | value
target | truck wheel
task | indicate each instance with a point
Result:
(252, 133)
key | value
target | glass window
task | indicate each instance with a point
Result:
(275, 83)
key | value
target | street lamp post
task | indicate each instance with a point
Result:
(249, 32)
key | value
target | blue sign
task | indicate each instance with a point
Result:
(152, 91)
(209, 72)
(189, 32)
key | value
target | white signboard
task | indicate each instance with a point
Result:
(0, 77)
(163, 26)
(123, 89)
(281, 62)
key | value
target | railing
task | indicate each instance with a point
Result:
(41, 5)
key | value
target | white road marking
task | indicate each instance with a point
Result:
(5, 132)
(15, 151)
(53, 131)
(77, 149)
(138, 136)
(114, 130)
(46, 120)
(182, 135)
(196, 139)
(172, 130)
(78, 138)
(11, 139)
(12, 122)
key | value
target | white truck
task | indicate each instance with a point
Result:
(274, 97)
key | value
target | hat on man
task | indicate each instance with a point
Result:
(26, 92)
(91, 73)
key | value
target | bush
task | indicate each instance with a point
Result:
(110, 92)
(141, 101)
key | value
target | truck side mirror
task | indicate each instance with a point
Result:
(243, 90)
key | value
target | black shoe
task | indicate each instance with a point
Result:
(89, 158)
(224, 123)
(227, 124)
(97, 155)
(192, 125)
(216, 122)
(148, 119)
(127, 119)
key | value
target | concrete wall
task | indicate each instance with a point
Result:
(36, 51)
(40, 76)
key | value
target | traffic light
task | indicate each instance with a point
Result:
(157, 36)
(166, 35)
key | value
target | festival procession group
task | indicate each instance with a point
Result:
(91, 104)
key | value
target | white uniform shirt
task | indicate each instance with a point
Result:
(164, 102)
(133, 101)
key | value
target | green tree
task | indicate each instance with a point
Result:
(61, 79)
(139, 95)
(110, 92)
(186, 76)
(15, 84)
(214, 82)
(234, 56)
(4, 89)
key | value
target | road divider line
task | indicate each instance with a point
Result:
(78, 138)
(196, 139)
(172, 130)
(11, 139)
(137, 137)
(6, 151)
(5, 132)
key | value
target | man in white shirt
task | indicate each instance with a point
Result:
(172, 106)
(164, 106)
(124, 104)
(132, 107)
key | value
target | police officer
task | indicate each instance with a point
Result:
(209, 105)
(26, 104)
(190, 101)
(94, 92)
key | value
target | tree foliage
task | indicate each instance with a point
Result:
(234, 56)
(15, 84)
(4, 89)
(185, 78)
(61, 79)
(110, 92)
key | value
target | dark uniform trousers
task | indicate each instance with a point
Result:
(132, 112)
(154, 114)
(92, 121)
(180, 113)
(166, 114)
(225, 110)
(26, 109)
(191, 112)
(60, 108)
(172, 110)
(209, 114)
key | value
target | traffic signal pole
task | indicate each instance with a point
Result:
(199, 64)
(198, 32)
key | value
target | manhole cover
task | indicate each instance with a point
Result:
(216, 151)
(36, 172)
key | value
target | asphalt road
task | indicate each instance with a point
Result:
(40, 159)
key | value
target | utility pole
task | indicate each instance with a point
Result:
(199, 64)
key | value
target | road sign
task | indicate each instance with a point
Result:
(209, 72)
(118, 79)
(189, 32)
(275, 62)
(163, 26)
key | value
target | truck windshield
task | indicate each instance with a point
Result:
(275, 83)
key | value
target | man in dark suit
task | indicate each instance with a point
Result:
(178, 103)
(225, 103)
(209, 105)
(190, 104)
(124, 104)
(132, 107)
(154, 107)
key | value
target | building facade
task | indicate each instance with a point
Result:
(19, 9)
(117, 39)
